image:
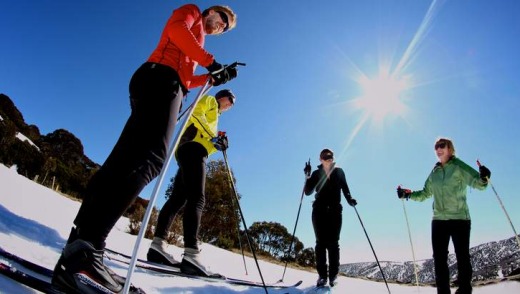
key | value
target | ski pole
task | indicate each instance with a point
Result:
(223, 134)
(239, 239)
(294, 231)
(411, 245)
(503, 207)
(241, 248)
(158, 184)
(232, 184)
(372, 247)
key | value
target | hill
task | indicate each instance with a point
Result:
(56, 159)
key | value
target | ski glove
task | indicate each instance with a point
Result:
(221, 74)
(351, 201)
(307, 170)
(220, 142)
(403, 193)
(485, 173)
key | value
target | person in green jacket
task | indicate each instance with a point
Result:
(447, 183)
(199, 140)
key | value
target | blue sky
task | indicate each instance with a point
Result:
(67, 65)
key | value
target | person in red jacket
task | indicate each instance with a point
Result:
(156, 90)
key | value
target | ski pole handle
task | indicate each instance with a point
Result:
(235, 64)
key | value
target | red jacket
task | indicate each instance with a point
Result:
(181, 45)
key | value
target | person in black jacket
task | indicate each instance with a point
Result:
(328, 181)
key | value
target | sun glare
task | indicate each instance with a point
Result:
(381, 97)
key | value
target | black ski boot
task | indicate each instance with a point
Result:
(80, 269)
(333, 280)
(157, 253)
(74, 235)
(321, 282)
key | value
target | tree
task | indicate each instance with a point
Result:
(274, 239)
(220, 220)
(136, 215)
(307, 257)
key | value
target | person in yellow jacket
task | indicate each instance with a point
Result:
(199, 140)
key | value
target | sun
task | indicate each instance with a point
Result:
(381, 97)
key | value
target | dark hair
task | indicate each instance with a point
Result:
(326, 154)
(226, 93)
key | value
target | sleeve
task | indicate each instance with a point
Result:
(198, 117)
(343, 183)
(471, 176)
(180, 34)
(425, 193)
(198, 81)
(311, 183)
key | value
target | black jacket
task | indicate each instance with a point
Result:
(328, 190)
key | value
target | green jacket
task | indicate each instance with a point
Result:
(448, 184)
(202, 124)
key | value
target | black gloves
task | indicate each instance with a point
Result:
(221, 74)
(351, 201)
(307, 170)
(220, 141)
(403, 193)
(485, 173)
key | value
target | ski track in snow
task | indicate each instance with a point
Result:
(35, 222)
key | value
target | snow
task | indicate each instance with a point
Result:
(35, 222)
(22, 138)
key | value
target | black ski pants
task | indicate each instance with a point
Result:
(327, 222)
(459, 232)
(188, 192)
(139, 154)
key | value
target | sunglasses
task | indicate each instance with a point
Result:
(441, 145)
(225, 19)
(327, 157)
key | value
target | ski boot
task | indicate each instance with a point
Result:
(191, 264)
(333, 280)
(157, 253)
(321, 282)
(80, 269)
(74, 235)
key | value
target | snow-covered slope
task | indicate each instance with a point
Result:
(35, 222)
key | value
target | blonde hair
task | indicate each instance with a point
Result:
(448, 142)
(232, 17)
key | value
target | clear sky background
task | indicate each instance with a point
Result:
(67, 65)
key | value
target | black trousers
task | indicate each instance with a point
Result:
(459, 232)
(188, 192)
(139, 154)
(327, 228)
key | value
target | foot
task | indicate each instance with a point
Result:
(80, 269)
(74, 235)
(333, 280)
(321, 282)
(192, 265)
(157, 253)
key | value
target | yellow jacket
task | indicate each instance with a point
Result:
(202, 124)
